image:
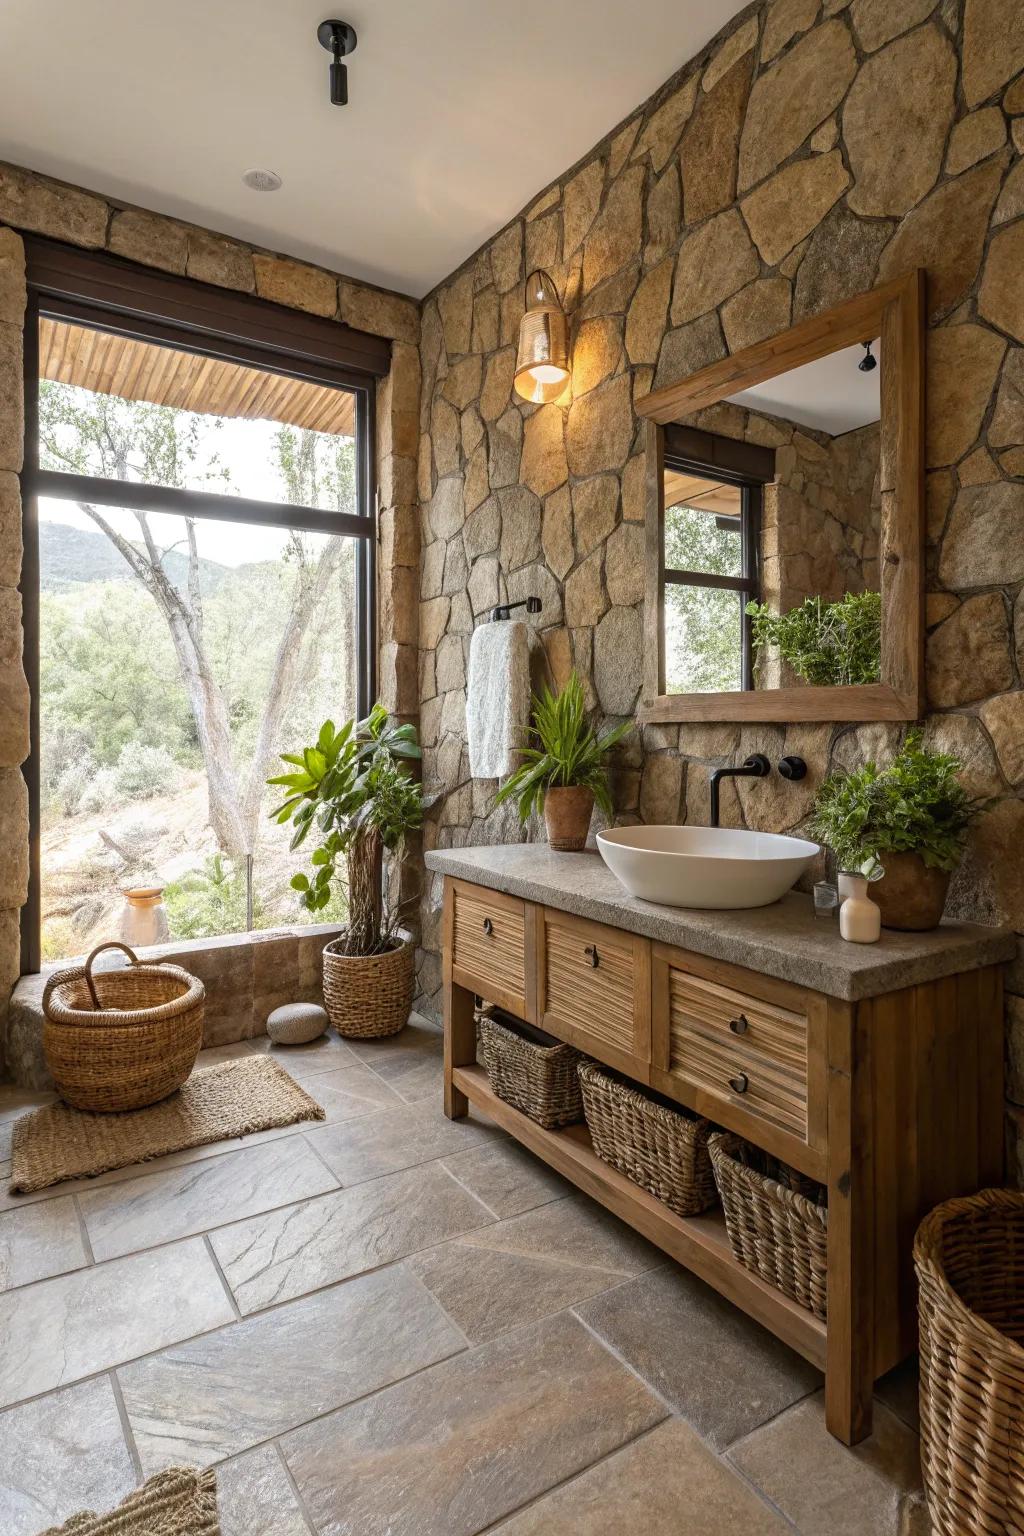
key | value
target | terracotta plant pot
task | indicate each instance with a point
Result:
(910, 895)
(567, 814)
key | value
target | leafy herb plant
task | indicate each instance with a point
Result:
(829, 644)
(353, 788)
(915, 805)
(569, 752)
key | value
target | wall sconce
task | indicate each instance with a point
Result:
(542, 366)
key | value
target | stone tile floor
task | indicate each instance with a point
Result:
(392, 1325)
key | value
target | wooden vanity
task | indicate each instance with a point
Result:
(877, 1070)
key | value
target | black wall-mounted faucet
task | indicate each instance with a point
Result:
(756, 766)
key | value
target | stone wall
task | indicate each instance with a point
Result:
(36, 204)
(814, 148)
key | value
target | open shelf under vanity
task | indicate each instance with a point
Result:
(698, 1242)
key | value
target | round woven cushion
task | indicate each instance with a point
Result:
(296, 1023)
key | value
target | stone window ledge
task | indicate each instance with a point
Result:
(246, 975)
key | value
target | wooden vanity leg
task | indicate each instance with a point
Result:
(459, 1025)
(850, 1347)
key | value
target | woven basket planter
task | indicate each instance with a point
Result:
(776, 1226)
(122, 1039)
(663, 1150)
(369, 996)
(969, 1257)
(533, 1072)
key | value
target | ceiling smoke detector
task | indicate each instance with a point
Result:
(262, 181)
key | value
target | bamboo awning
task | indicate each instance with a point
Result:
(139, 370)
(683, 489)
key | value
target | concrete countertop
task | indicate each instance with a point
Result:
(784, 940)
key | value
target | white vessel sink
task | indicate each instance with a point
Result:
(708, 867)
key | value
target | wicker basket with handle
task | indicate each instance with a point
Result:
(530, 1070)
(116, 1040)
(776, 1219)
(969, 1257)
(661, 1148)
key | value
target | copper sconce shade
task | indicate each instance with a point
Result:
(542, 365)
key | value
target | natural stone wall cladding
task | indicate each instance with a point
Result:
(35, 204)
(814, 148)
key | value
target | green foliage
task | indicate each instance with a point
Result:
(702, 624)
(570, 752)
(140, 773)
(209, 901)
(829, 644)
(352, 786)
(915, 805)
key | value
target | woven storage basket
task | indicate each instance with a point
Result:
(369, 996)
(969, 1257)
(531, 1070)
(662, 1149)
(776, 1219)
(121, 1039)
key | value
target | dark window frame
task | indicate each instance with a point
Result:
(748, 584)
(106, 293)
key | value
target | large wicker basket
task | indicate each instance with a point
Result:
(530, 1070)
(661, 1148)
(369, 996)
(117, 1040)
(777, 1220)
(969, 1257)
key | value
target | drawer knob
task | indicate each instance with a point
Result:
(739, 1026)
(738, 1084)
(488, 927)
(592, 955)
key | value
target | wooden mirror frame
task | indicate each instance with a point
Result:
(895, 311)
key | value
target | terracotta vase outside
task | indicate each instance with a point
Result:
(910, 896)
(567, 814)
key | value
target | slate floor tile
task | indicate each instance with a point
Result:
(286, 1253)
(455, 1448)
(228, 1391)
(715, 1366)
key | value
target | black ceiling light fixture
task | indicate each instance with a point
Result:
(868, 363)
(340, 40)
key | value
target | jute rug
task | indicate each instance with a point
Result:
(178, 1502)
(233, 1098)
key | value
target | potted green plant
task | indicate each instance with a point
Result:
(353, 788)
(910, 817)
(565, 773)
(828, 644)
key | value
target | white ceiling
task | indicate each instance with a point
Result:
(830, 394)
(459, 111)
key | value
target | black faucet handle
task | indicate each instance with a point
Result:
(758, 765)
(792, 768)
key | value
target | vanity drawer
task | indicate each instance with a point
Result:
(750, 1062)
(595, 990)
(489, 946)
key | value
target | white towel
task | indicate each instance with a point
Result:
(497, 697)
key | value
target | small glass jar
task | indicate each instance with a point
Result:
(826, 899)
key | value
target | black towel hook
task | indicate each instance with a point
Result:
(504, 610)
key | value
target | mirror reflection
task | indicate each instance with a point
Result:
(772, 529)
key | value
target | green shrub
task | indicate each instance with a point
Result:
(915, 805)
(829, 644)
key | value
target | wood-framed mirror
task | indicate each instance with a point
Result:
(785, 524)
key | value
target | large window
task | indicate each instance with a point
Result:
(204, 601)
(711, 573)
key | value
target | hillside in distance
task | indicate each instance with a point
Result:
(72, 556)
